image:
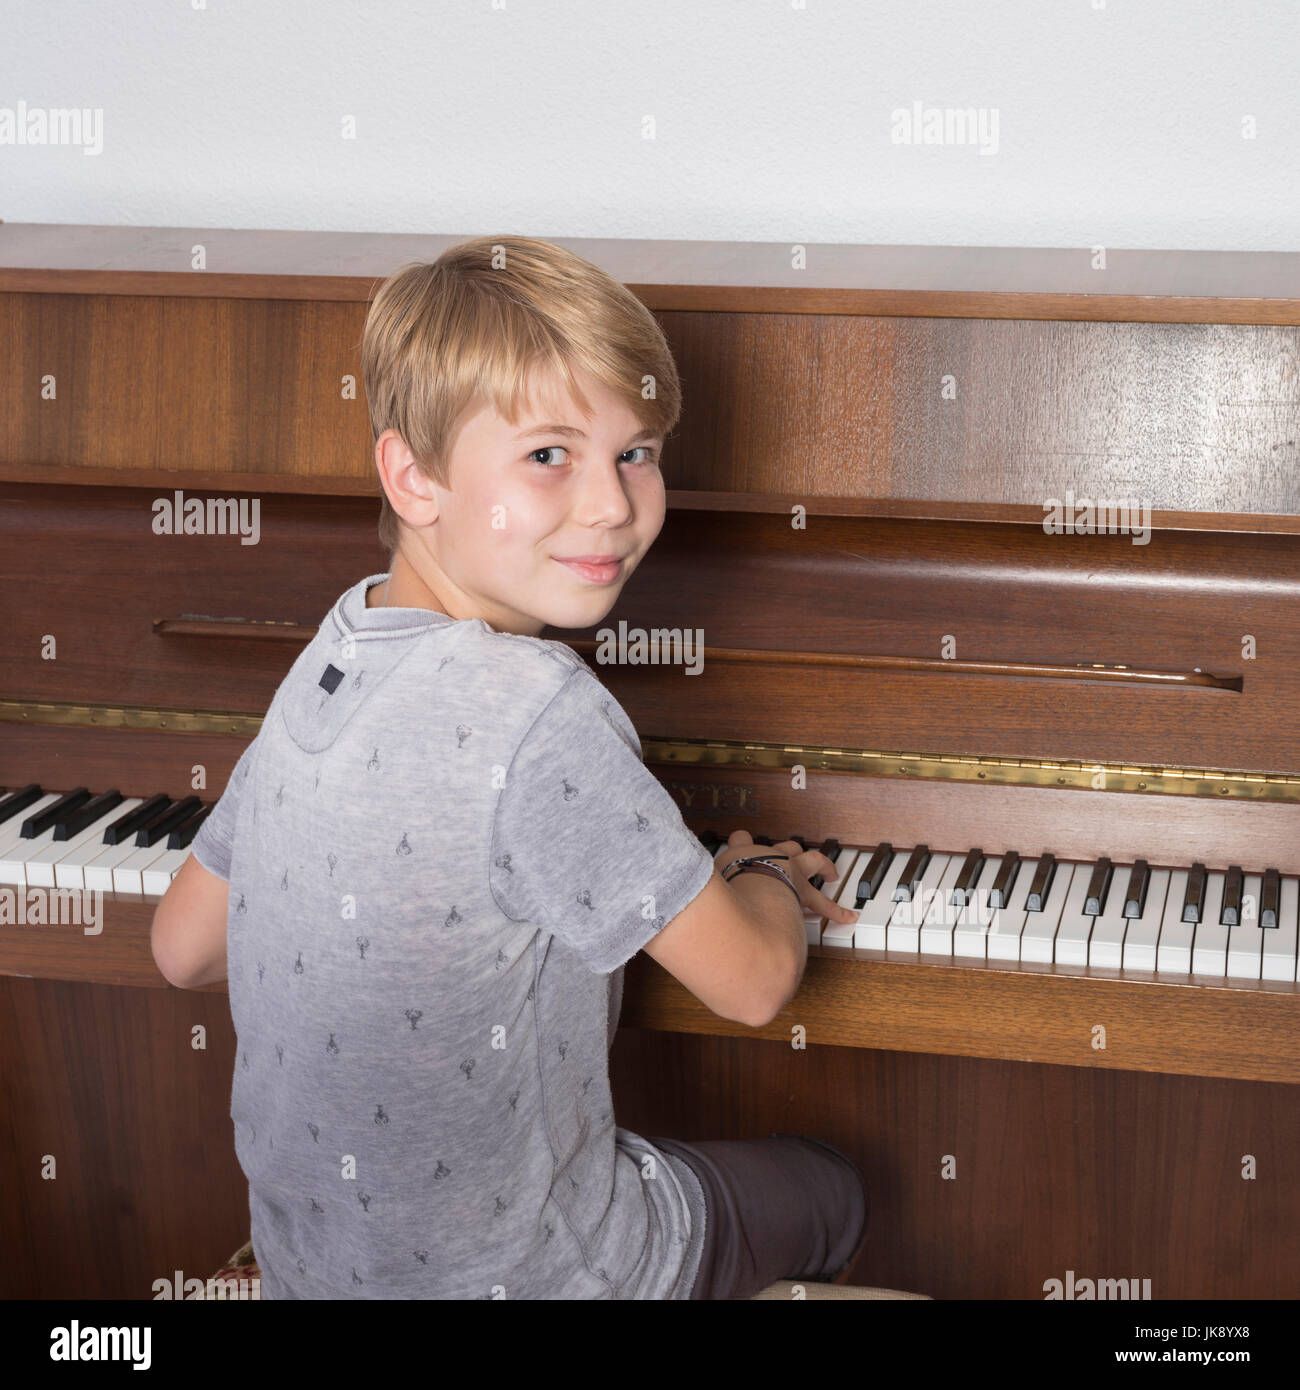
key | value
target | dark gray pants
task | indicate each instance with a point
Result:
(785, 1207)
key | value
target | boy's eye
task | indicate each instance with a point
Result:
(650, 454)
(549, 449)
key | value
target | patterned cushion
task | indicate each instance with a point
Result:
(239, 1274)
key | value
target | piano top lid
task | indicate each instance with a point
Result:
(938, 281)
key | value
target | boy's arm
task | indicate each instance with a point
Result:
(188, 936)
(740, 946)
(189, 925)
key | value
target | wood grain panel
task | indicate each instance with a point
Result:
(861, 585)
(215, 385)
(1111, 1174)
(1181, 417)
(1192, 417)
(1019, 1012)
(107, 1083)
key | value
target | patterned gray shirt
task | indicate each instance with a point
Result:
(441, 848)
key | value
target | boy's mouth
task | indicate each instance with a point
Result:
(599, 569)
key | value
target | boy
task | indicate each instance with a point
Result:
(428, 869)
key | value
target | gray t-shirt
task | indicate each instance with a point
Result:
(441, 848)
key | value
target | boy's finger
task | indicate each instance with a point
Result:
(828, 907)
(812, 862)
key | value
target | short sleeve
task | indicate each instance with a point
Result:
(586, 841)
(214, 839)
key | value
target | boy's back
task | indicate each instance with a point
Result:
(435, 850)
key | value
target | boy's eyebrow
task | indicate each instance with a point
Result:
(573, 431)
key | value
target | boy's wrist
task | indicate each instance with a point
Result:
(768, 896)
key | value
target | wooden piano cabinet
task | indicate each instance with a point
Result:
(1110, 1174)
(106, 1083)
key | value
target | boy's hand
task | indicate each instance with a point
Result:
(801, 866)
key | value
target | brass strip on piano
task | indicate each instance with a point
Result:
(862, 762)
(950, 767)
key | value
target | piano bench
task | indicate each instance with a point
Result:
(784, 1288)
(241, 1267)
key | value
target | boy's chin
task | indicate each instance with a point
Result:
(577, 611)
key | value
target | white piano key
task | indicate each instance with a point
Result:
(943, 914)
(1037, 939)
(14, 850)
(904, 926)
(1070, 945)
(1174, 950)
(1210, 944)
(970, 930)
(1143, 933)
(1246, 939)
(873, 916)
(1106, 944)
(128, 873)
(1279, 962)
(156, 879)
(43, 863)
(821, 930)
(812, 927)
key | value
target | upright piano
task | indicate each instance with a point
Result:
(995, 558)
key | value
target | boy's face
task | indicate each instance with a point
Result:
(554, 487)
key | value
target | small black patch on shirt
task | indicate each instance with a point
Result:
(330, 679)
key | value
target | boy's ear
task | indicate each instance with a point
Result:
(409, 490)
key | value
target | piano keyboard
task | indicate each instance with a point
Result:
(110, 842)
(1227, 924)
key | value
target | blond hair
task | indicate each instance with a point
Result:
(445, 338)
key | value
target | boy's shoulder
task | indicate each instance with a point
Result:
(531, 662)
(537, 670)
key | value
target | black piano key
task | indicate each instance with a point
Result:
(1139, 880)
(910, 878)
(1230, 914)
(181, 837)
(1041, 883)
(762, 840)
(94, 809)
(1094, 903)
(869, 883)
(1194, 898)
(971, 868)
(830, 848)
(1000, 893)
(55, 811)
(19, 801)
(163, 825)
(711, 840)
(125, 826)
(1270, 898)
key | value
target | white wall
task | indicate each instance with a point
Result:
(1119, 122)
